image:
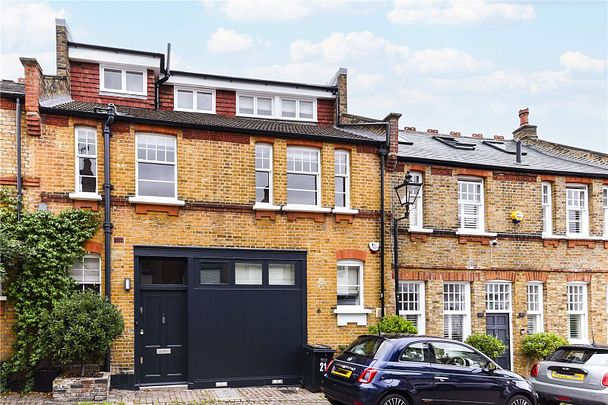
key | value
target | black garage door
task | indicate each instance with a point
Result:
(246, 315)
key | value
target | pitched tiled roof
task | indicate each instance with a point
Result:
(420, 147)
(217, 122)
(8, 87)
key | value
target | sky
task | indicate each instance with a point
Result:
(451, 65)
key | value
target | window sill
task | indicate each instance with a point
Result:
(552, 236)
(305, 208)
(583, 237)
(2, 297)
(419, 230)
(348, 315)
(346, 211)
(472, 232)
(579, 341)
(157, 201)
(195, 111)
(266, 207)
(85, 196)
(138, 96)
(273, 117)
(352, 310)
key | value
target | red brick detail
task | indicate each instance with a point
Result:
(505, 176)
(119, 239)
(155, 129)
(417, 168)
(574, 243)
(464, 239)
(501, 275)
(316, 216)
(343, 147)
(367, 149)
(551, 242)
(605, 182)
(326, 112)
(356, 254)
(459, 276)
(121, 128)
(225, 103)
(441, 171)
(215, 136)
(581, 180)
(548, 177)
(400, 167)
(55, 198)
(7, 104)
(265, 214)
(93, 247)
(217, 207)
(581, 277)
(32, 120)
(345, 218)
(145, 208)
(463, 171)
(606, 244)
(414, 275)
(2, 303)
(536, 276)
(264, 139)
(84, 81)
(25, 181)
(84, 204)
(391, 161)
(55, 120)
(303, 142)
(165, 96)
(421, 237)
(87, 122)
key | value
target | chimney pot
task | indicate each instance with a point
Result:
(409, 128)
(499, 137)
(477, 135)
(432, 131)
(21, 80)
(455, 133)
(523, 116)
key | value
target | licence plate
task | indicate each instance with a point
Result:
(572, 377)
(341, 372)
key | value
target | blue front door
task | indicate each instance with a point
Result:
(498, 325)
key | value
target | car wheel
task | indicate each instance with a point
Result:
(519, 400)
(394, 399)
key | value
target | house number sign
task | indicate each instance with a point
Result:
(163, 351)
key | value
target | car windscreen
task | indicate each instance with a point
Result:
(366, 346)
(576, 355)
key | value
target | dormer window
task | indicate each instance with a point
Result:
(122, 80)
(300, 109)
(197, 100)
(276, 107)
(256, 106)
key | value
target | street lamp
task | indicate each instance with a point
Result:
(407, 192)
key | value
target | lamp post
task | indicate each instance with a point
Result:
(407, 192)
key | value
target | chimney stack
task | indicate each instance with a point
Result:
(33, 88)
(62, 37)
(340, 80)
(393, 120)
(525, 130)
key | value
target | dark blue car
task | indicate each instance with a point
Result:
(416, 370)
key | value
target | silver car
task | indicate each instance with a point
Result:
(576, 374)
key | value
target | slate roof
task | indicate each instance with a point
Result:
(421, 146)
(217, 122)
(10, 88)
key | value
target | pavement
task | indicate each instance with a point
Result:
(217, 396)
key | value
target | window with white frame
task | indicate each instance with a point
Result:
(547, 208)
(263, 173)
(411, 303)
(577, 312)
(456, 311)
(156, 166)
(258, 106)
(276, 107)
(198, 100)
(577, 220)
(416, 208)
(350, 283)
(605, 206)
(498, 297)
(534, 295)
(123, 80)
(303, 174)
(470, 204)
(298, 109)
(87, 273)
(342, 178)
(86, 160)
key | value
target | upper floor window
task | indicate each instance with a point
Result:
(87, 273)
(605, 206)
(577, 220)
(547, 208)
(411, 303)
(276, 107)
(303, 174)
(470, 204)
(416, 208)
(260, 106)
(350, 283)
(577, 311)
(299, 109)
(86, 160)
(456, 310)
(198, 100)
(156, 166)
(123, 80)
(263, 173)
(535, 307)
(342, 179)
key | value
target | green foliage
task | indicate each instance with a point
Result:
(36, 254)
(539, 345)
(81, 327)
(488, 345)
(393, 324)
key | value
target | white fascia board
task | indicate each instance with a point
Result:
(114, 58)
(247, 87)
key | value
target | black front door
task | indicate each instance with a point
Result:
(498, 325)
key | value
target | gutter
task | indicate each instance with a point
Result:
(160, 81)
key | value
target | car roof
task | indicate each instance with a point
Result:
(593, 346)
(403, 336)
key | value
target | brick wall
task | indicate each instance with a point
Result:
(326, 112)
(166, 97)
(225, 103)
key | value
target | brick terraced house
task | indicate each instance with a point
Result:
(245, 217)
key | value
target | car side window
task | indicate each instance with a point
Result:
(418, 352)
(457, 355)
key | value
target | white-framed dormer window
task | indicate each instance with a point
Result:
(456, 310)
(292, 108)
(577, 312)
(605, 207)
(197, 100)
(86, 271)
(350, 283)
(547, 208)
(116, 79)
(416, 215)
(255, 106)
(534, 298)
(342, 178)
(470, 204)
(86, 160)
(411, 303)
(156, 170)
(577, 211)
(303, 176)
(275, 106)
(263, 173)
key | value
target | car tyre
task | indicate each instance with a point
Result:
(519, 400)
(394, 399)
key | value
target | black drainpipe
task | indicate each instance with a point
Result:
(162, 79)
(107, 188)
(19, 182)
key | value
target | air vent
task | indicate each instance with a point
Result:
(503, 147)
(455, 143)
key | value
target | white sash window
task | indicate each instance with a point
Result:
(577, 312)
(456, 311)
(535, 308)
(470, 205)
(411, 303)
(547, 208)
(577, 220)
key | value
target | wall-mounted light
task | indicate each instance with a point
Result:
(127, 284)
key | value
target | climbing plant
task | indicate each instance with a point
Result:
(36, 254)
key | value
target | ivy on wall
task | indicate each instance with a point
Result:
(36, 254)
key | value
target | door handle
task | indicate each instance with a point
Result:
(442, 378)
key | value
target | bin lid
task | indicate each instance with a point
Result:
(318, 348)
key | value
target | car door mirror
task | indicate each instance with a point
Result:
(491, 367)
